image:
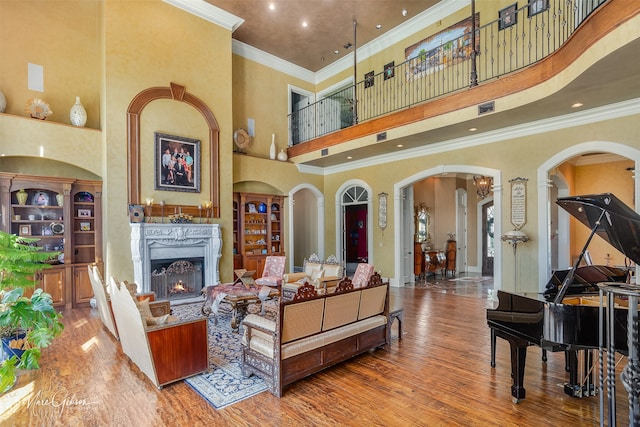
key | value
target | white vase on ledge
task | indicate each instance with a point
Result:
(282, 155)
(77, 114)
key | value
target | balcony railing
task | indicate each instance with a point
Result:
(518, 39)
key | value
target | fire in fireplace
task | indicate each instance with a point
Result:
(175, 279)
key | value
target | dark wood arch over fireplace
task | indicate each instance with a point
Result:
(177, 93)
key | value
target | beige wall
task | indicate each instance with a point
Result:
(143, 44)
(150, 44)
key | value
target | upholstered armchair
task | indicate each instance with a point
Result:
(165, 350)
(102, 299)
(272, 272)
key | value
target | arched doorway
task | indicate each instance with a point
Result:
(306, 225)
(462, 231)
(586, 153)
(354, 213)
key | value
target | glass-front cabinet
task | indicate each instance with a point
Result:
(64, 215)
(259, 229)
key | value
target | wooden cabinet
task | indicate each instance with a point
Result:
(418, 260)
(258, 229)
(450, 253)
(52, 281)
(82, 290)
(65, 215)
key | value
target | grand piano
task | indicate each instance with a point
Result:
(566, 316)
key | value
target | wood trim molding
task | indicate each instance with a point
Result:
(178, 93)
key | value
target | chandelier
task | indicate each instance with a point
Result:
(483, 185)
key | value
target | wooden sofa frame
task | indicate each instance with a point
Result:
(278, 372)
(164, 353)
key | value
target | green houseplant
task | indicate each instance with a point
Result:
(27, 324)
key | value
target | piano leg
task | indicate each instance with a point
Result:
(493, 348)
(518, 359)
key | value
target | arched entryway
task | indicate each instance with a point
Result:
(401, 222)
(306, 225)
(548, 174)
(354, 234)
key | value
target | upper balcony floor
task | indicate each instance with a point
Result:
(539, 66)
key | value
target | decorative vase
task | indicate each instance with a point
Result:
(272, 149)
(60, 199)
(22, 197)
(282, 155)
(3, 102)
(77, 114)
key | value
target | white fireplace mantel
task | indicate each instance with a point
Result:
(151, 241)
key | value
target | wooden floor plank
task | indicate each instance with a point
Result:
(438, 374)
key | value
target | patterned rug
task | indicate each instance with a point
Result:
(223, 384)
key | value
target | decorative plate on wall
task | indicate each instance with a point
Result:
(57, 227)
(242, 139)
(40, 198)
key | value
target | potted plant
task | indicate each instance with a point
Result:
(27, 324)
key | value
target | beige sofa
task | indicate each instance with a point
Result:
(323, 275)
(313, 332)
(165, 352)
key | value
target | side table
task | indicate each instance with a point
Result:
(395, 313)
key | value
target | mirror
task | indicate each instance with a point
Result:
(422, 223)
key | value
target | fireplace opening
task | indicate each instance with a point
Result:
(177, 278)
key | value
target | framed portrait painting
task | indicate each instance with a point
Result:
(177, 163)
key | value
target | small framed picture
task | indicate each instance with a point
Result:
(25, 230)
(85, 226)
(389, 70)
(537, 6)
(47, 231)
(251, 208)
(84, 213)
(368, 79)
(508, 16)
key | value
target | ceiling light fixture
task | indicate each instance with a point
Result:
(577, 105)
(473, 129)
(399, 145)
(349, 157)
(348, 46)
(304, 24)
(336, 52)
(378, 26)
(483, 185)
(272, 6)
(404, 12)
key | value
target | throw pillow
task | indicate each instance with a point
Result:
(151, 321)
(143, 307)
(317, 273)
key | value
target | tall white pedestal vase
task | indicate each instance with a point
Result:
(272, 149)
(77, 114)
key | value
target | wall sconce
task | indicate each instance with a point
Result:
(483, 185)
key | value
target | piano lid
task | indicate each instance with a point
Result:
(620, 225)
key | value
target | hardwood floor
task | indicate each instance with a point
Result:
(437, 375)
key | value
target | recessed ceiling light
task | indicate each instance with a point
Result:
(399, 145)
(404, 12)
(349, 157)
(378, 26)
(272, 6)
(304, 24)
(473, 129)
(577, 105)
(336, 52)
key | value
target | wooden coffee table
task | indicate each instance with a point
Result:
(239, 301)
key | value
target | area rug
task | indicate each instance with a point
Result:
(223, 384)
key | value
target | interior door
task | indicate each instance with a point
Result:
(488, 248)
(461, 231)
(408, 227)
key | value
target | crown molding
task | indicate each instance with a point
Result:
(411, 26)
(594, 115)
(271, 61)
(208, 12)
